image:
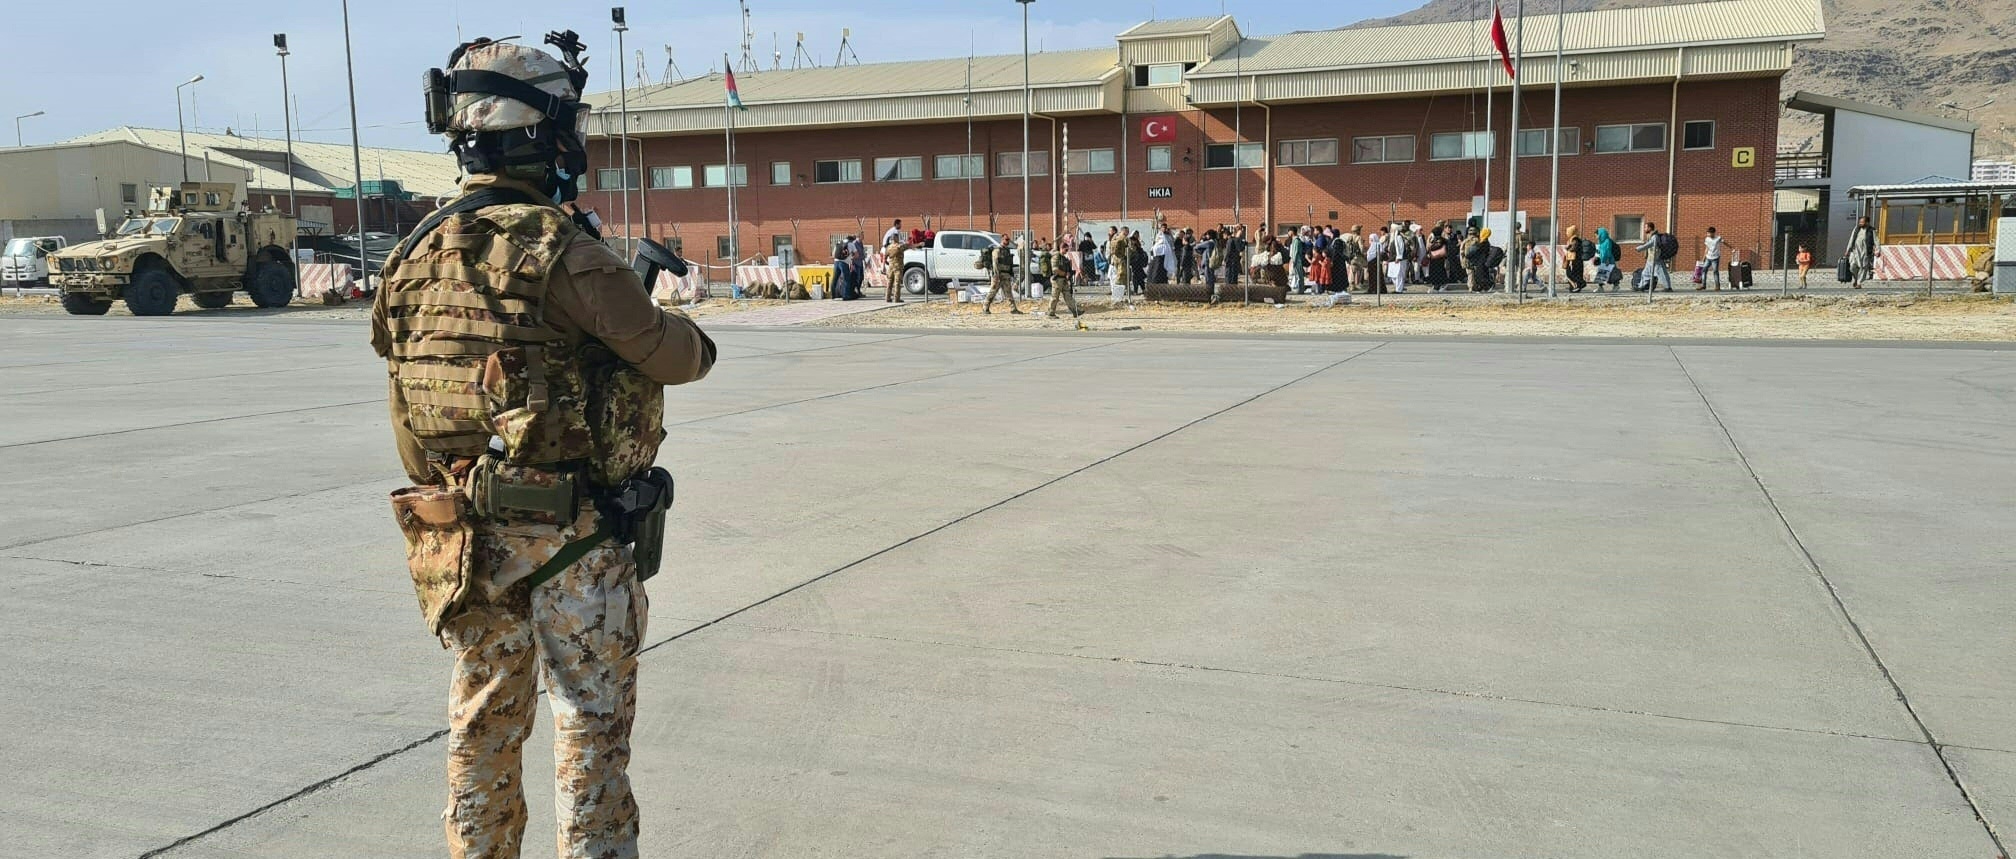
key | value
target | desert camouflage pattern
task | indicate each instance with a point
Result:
(626, 419)
(440, 547)
(581, 632)
(469, 347)
(475, 112)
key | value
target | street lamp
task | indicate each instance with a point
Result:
(180, 135)
(287, 124)
(1968, 111)
(1028, 107)
(356, 152)
(17, 125)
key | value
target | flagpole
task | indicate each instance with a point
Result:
(1515, 263)
(1490, 108)
(1554, 179)
(728, 125)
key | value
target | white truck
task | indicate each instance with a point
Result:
(953, 255)
(24, 262)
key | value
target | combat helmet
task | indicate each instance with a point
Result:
(514, 109)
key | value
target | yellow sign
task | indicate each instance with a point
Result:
(1743, 156)
(814, 275)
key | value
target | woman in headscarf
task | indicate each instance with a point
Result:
(1272, 263)
(1483, 260)
(1606, 258)
(1574, 246)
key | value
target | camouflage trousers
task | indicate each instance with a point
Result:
(581, 632)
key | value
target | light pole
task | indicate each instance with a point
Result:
(1028, 106)
(181, 136)
(17, 125)
(356, 149)
(287, 124)
(623, 132)
(1968, 112)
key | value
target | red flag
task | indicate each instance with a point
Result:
(1498, 40)
(1158, 129)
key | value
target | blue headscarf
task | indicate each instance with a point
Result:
(1606, 250)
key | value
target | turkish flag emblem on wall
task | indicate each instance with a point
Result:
(1158, 129)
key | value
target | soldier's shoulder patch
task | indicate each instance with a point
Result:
(585, 254)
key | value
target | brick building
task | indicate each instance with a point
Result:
(1669, 114)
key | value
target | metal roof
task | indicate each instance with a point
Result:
(917, 77)
(1813, 102)
(1933, 186)
(1172, 27)
(1605, 31)
(319, 168)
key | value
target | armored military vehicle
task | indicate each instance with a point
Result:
(190, 240)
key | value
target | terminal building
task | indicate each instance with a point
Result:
(1669, 115)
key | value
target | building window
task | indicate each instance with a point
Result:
(1628, 228)
(780, 172)
(1642, 137)
(671, 177)
(1539, 228)
(1009, 164)
(611, 179)
(1219, 156)
(721, 249)
(1393, 148)
(1698, 134)
(828, 172)
(1161, 74)
(960, 167)
(1088, 161)
(716, 176)
(1460, 145)
(1533, 141)
(907, 168)
(1297, 153)
(785, 249)
(1160, 159)
(129, 194)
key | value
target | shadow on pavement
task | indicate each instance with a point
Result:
(1245, 856)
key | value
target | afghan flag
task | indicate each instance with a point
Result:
(734, 95)
(1498, 40)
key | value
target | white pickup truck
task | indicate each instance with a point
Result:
(953, 255)
(25, 261)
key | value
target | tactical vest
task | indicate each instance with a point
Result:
(475, 360)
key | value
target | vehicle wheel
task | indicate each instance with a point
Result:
(212, 300)
(152, 293)
(272, 285)
(916, 281)
(84, 304)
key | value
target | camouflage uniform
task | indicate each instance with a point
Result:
(1004, 279)
(580, 630)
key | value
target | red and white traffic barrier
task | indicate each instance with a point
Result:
(1908, 262)
(318, 278)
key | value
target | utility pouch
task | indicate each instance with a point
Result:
(502, 492)
(440, 544)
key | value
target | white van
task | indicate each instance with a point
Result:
(24, 262)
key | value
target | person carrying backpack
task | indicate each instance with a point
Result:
(1660, 249)
(1580, 250)
(1607, 256)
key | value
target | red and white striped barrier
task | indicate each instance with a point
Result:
(680, 290)
(318, 278)
(1908, 262)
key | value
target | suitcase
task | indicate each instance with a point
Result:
(1843, 272)
(1616, 276)
(1740, 275)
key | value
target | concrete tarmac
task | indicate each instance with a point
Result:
(957, 595)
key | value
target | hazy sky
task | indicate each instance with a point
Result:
(94, 66)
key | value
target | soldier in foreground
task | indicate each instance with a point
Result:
(1003, 273)
(527, 365)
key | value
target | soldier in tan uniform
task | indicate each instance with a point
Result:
(527, 365)
(1004, 279)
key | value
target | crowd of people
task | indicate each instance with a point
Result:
(1308, 260)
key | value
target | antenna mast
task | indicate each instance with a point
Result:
(799, 53)
(643, 75)
(846, 48)
(776, 56)
(748, 63)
